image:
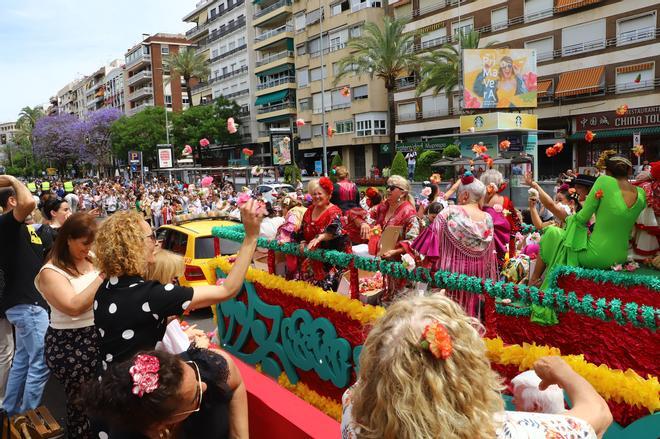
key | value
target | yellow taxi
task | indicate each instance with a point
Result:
(193, 240)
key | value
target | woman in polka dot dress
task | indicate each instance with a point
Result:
(68, 282)
(131, 313)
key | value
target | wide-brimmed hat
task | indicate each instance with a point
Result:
(584, 180)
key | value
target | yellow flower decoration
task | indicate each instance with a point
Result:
(614, 384)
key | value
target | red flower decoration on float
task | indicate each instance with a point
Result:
(504, 145)
(589, 136)
(327, 185)
(300, 122)
(204, 142)
(248, 152)
(187, 150)
(599, 194)
(436, 339)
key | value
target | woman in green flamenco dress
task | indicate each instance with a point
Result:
(616, 204)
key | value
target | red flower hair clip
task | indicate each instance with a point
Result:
(144, 372)
(327, 185)
(436, 339)
(467, 178)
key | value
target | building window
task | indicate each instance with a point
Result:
(232, 45)
(315, 74)
(363, 128)
(380, 128)
(301, 50)
(214, 53)
(241, 41)
(434, 38)
(216, 73)
(338, 8)
(638, 28)
(360, 92)
(304, 104)
(299, 22)
(168, 101)
(538, 9)
(302, 75)
(356, 31)
(635, 77)
(317, 105)
(464, 26)
(317, 130)
(435, 106)
(499, 19)
(344, 126)
(407, 111)
(544, 48)
(583, 37)
(339, 100)
(165, 50)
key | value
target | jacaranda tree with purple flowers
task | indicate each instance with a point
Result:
(58, 140)
(95, 128)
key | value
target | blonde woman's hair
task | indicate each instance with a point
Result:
(404, 392)
(119, 245)
(166, 266)
(342, 172)
(404, 184)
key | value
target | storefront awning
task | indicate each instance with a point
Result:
(272, 97)
(581, 81)
(543, 86)
(628, 132)
(567, 5)
(278, 69)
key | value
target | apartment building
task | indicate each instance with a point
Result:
(204, 14)
(147, 82)
(593, 56)
(7, 132)
(113, 95)
(355, 109)
(95, 90)
(274, 73)
(69, 101)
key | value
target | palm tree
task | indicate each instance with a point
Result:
(441, 69)
(385, 53)
(188, 64)
(27, 119)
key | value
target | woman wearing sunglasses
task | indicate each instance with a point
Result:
(509, 84)
(154, 394)
(398, 210)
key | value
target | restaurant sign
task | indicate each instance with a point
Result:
(635, 117)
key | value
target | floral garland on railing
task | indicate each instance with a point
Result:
(622, 313)
(625, 387)
(355, 309)
(605, 276)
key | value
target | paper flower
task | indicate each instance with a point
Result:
(300, 122)
(435, 178)
(504, 145)
(144, 372)
(206, 181)
(436, 339)
(257, 171)
(599, 194)
(559, 147)
(408, 262)
(470, 101)
(425, 192)
(331, 131)
(345, 92)
(286, 140)
(375, 231)
(638, 150)
(617, 267)
(248, 152)
(535, 237)
(187, 150)
(589, 136)
(497, 207)
(232, 126)
(479, 148)
(243, 198)
(204, 142)
(631, 266)
(555, 149)
(638, 78)
(622, 110)
(530, 81)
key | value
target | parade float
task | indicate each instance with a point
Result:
(309, 340)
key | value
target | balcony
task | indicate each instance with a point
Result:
(276, 82)
(227, 53)
(138, 77)
(633, 36)
(140, 92)
(279, 55)
(138, 108)
(277, 107)
(195, 31)
(144, 58)
(586, 46)
(272, 33)
(267, 10)
(221, 32)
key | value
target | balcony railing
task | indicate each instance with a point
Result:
(647, 33)
(143, 91)
(274, 57)
(237, 93)
(144, 74)
(277, 107)
(145, 57)
(273, 32)
(276, 82)
(138, 108)
(227, 53)
(271, 8)
(213, 36)
(197, 29)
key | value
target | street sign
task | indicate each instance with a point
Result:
(134, 157)
(637, 139)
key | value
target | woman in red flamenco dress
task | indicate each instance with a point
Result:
(322, 228)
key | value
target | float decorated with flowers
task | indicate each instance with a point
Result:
(309, 339)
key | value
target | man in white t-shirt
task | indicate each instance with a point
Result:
(411, 157)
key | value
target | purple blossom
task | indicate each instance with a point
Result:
(95, 129)
(58, 139)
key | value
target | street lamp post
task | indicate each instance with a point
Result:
(167, 123)
(323, 128)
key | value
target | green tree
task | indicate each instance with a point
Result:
(141, 132)
(336, 161)
(423, 168)
(399, 166)
(292, 174)
(441, 69)
(451, 151)
(23, 154)
(205, 122)
(188, 64)
(385, 53)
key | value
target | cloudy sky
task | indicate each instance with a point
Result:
(47, 43)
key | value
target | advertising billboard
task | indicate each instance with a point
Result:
(281, 149)
(165, 159)
(499, 78)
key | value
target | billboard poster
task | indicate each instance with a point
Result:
(165, 158)
(281, 149)
(474, 123)
(499, 78)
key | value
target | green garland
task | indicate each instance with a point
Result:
(562, 301)
(526, 229)
(619, 278)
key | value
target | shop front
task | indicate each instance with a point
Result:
(621, 132)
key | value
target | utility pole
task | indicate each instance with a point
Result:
(323, 128)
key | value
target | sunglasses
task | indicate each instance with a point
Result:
(392, 187)
(198, 395)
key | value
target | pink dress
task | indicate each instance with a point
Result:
(458, 244)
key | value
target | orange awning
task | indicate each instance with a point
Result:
(542, 87)
(567, 5)
(581, 81)
(635, 67)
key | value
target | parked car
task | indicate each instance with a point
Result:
(271, 190)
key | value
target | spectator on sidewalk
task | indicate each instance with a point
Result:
(21, 302)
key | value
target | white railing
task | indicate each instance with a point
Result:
(141, 92)
(276, 82)
(274, 57)
(586, 46)
(273, 32)
(139, 76)
(271, 8)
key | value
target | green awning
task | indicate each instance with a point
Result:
(602, 134)
(256, 2)
(278, 69)
(272, 97)
(289, 44)
(275, 118)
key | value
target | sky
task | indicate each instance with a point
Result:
(45, 44)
